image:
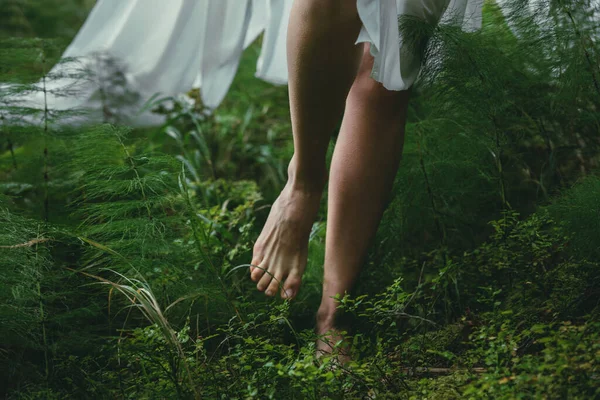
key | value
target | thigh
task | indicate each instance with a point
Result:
(369, 89)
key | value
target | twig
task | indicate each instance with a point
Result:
(412, 296)
(32, 242)
(441, 371)
(406, 315)
(436, 217)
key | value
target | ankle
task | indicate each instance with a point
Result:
(326, 319)
(308, 179)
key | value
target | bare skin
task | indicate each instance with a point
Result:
(330, 77)
(363, 168)
(282, 247)
(322, 65)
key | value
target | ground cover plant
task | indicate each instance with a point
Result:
(122, 249)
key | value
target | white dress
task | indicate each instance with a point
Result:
(169, 47)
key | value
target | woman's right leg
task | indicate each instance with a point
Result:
(322, 63)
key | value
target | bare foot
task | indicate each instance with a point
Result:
(282, 247)
(331, 339)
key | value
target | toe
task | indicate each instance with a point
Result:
(255, 261)
(258, 273)
(274, 285)
(292, 286)
(264, 281)
(257, 255)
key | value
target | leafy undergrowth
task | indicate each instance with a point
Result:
(137, 294)
(123, 252)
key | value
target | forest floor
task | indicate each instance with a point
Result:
(122, 250)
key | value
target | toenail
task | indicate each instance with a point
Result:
(269, 293)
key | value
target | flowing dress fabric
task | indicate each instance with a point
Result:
(168, 47)
(396, 64)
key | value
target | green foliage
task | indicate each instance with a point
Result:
(122, 251)
(529, 317)
(579, 211)
(25, 268)
(42, 18)
(510, 114)
(240, 140)
(554, 361)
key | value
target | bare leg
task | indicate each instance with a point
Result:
(363, 169)
(322, 62)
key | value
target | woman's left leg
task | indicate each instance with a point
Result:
(364, 165)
